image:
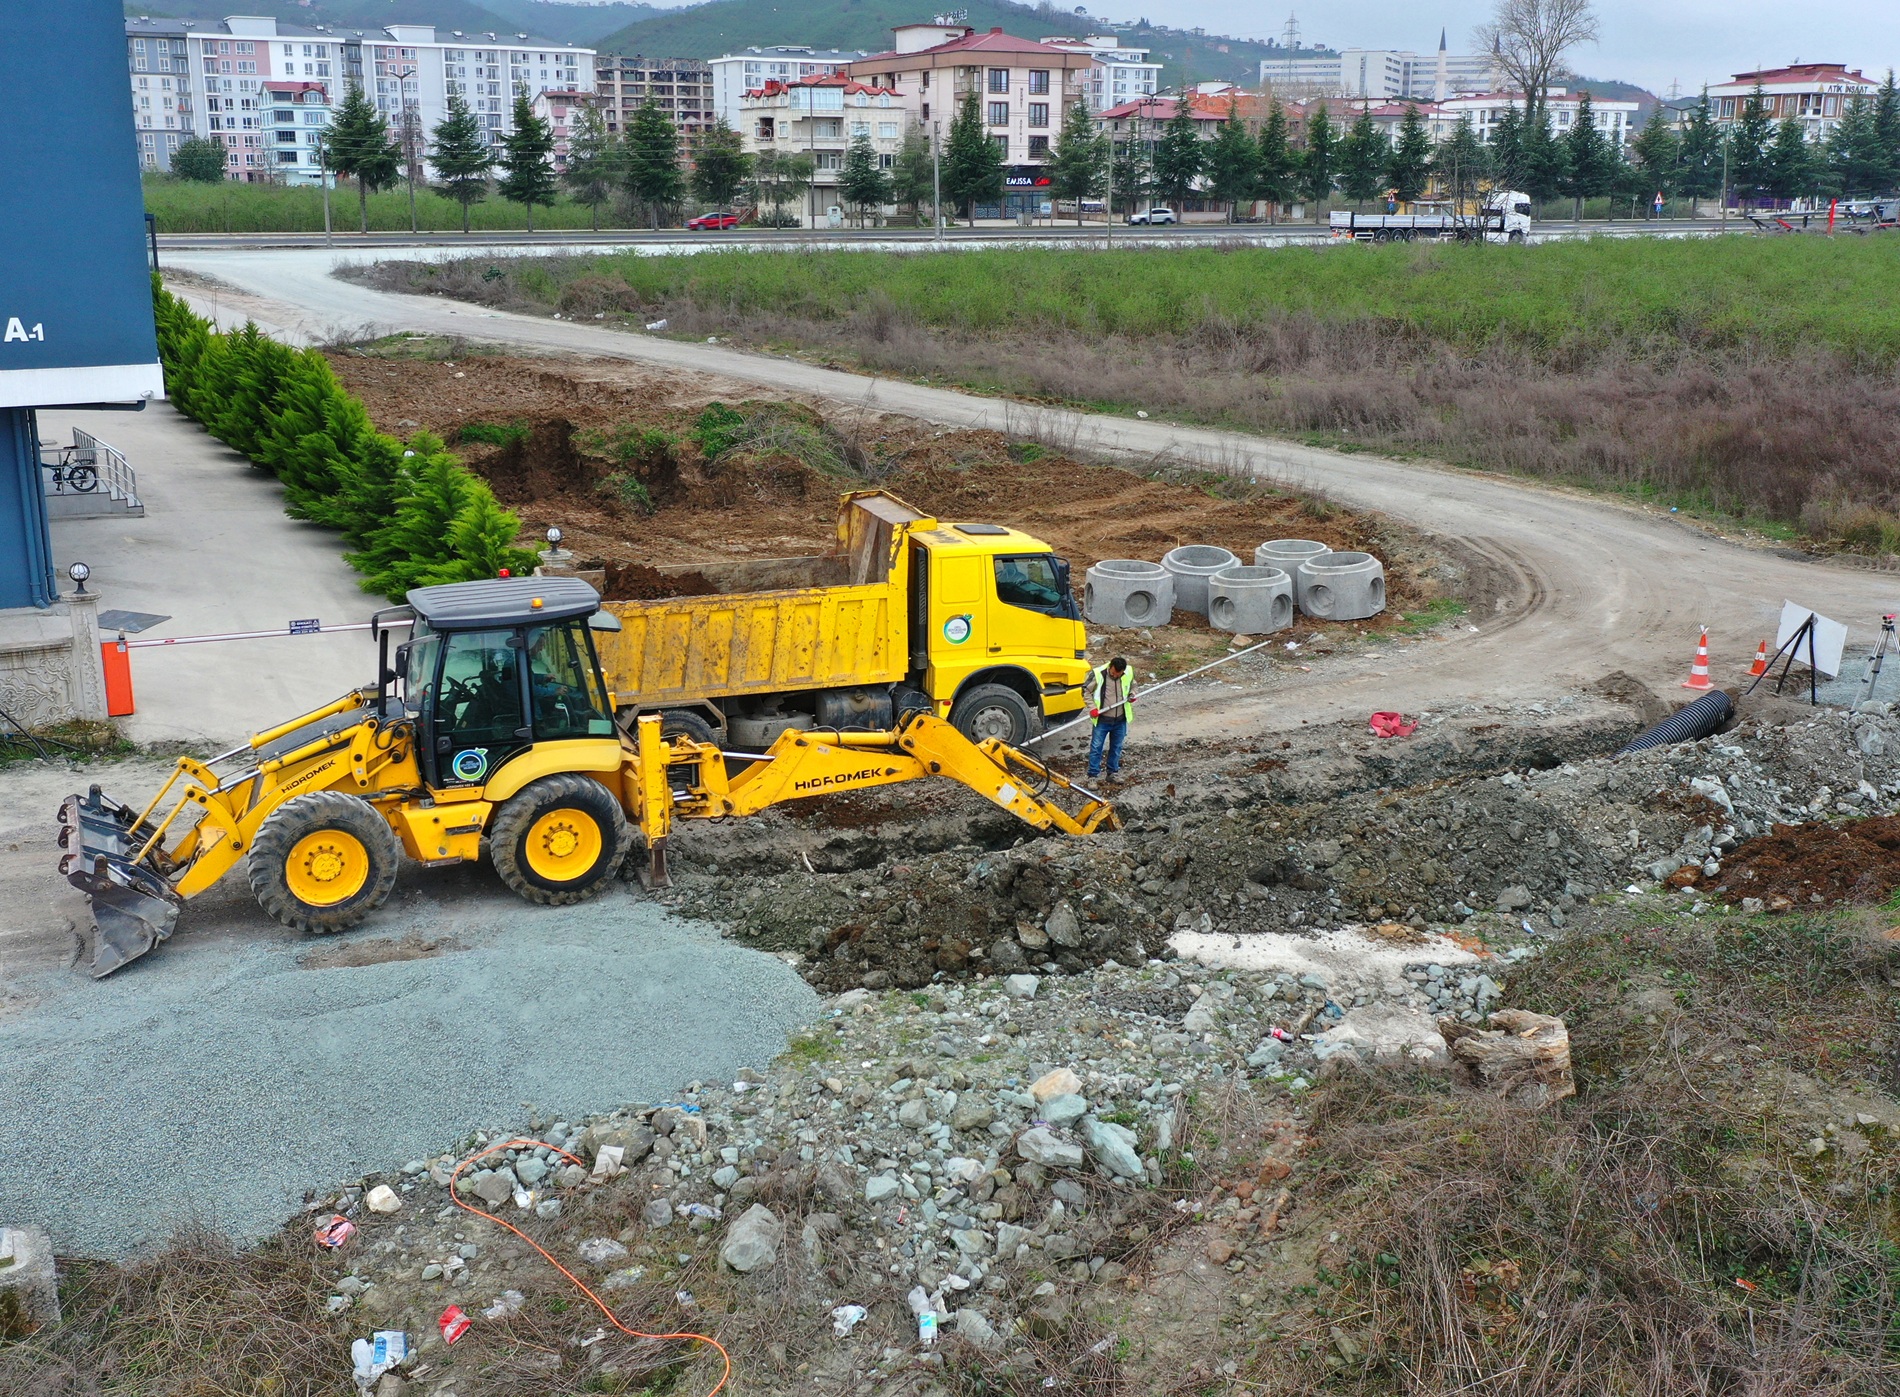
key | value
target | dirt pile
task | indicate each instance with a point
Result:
(1799, 865)
(634, 582)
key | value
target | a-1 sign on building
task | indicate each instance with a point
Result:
(75, 292)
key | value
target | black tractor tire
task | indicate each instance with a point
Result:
(528, 840)
(323, 838)
(994, 710)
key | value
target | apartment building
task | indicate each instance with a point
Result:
(819, 116)
(680, 87)
(1118, 74)
(736, 74)
(1814, 94)
(1383, 75)
(293, 115)
(560, 108)
(1022, 88)
(1615, 120)
(407, 70)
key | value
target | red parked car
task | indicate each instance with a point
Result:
(714, 221)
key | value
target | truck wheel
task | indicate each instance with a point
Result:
(322, 862)
(559, 839)
(683, 722)
(993, 710)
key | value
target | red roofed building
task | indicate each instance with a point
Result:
(1815, 94)
(819, 117)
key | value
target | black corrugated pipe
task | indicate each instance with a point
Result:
(1703, 718)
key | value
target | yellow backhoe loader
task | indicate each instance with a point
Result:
(493, 724)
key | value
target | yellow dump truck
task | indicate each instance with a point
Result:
(972, 622)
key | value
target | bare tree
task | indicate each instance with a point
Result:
(1530, 37)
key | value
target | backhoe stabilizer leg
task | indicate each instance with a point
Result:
(655, 874)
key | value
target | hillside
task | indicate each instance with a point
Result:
(575, 24)
(721, 26)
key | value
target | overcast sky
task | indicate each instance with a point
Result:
(1652, 42)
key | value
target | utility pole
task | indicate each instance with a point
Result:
(936, 177)
(323, 178)
(1725, 138)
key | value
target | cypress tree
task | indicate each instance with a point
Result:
(1277, 169)
(972, 165)
(720, 165)
(592, 153)
(1178, 155)
(1540, 157)
(1078, 162)
(1409, 166)
(527, 160)
(1586, 157)
(1362, 158)
(1885, 134)
(861, 182)
(1748, 147)
(461, 156)
(912, 180)
(358, 145)
(1462, 162)
(1699, 153)
(1791, 167)
(1658, 154)
(1233, 162)
(1853, 155)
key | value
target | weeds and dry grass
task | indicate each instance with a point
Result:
(1615, 366)
(1664, 1232)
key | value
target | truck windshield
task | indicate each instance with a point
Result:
(1031, 581)
(568, 698)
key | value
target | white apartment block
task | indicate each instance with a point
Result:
(1616, 120)
(1383, 75)
(735, 74)
(238, 71)
(819, 117)
(1119, 74)
(1814, 94)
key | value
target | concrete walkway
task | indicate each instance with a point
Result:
(215, 552)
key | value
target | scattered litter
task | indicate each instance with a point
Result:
(593, 1338)
(377, 1355)
(656, 324)
(845, 1318)
(607, 1163)
(699, 1210)
(1142, 415)
(334, 1231)
(506, 1305)
(1391, 725)
(383, 1199)
(454, 1324)
(1281, 1034)
(685, 1297)
(927, 1321)
(1741, 1281)
(524, 1198)
(1528, 927)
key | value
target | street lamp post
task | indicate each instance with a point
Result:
(936, 177)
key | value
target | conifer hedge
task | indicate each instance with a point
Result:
(412, 515)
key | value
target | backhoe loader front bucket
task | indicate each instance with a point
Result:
(133, 907)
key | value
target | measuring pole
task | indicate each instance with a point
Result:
(1203, 669)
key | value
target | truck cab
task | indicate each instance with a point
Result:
(996, 639)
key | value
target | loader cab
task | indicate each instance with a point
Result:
(493, 668)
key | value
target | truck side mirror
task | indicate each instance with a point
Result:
(603, 621)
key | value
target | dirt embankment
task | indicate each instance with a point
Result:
(608, 452)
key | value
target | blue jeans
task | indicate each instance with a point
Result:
(1108, 734)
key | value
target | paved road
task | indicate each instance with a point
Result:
(215, 552)
(1579, 586)
(754, 239)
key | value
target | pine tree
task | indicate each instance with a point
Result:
(1277, 176)
(461, 156)
(1233, 161)
(1748, 147)
(359, 145)
(1178, 155)
(861, 182)
(1507, 149)
(972, 164)
(720, 165)
(1362, 157)
(593, 156)
(1658, 155)
(1791, 166)
(200, 160)
(1586, 157)
(913, 178)
(1699, 154)
(527, 160)
(1409, 166)
(1320, 162)
(1886, 134)
(1079, 159)
(1132, 168)
(1541, 157)
(651, 167)
(1854, 159)
(1462, 163)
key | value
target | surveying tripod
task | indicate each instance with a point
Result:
(1888, 642)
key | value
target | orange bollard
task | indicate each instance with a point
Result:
(117, 663)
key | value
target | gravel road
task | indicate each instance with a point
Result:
(234, 1069)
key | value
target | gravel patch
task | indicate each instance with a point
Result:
(221, 1080)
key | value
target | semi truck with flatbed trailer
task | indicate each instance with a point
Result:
(1503, 217)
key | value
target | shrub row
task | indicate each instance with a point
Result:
(411, 514)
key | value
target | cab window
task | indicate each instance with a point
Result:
(565, 684)
(419, 671)
(1031, 581)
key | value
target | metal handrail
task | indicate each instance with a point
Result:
(115, 472)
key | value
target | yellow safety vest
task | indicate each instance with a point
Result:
(1100, 676)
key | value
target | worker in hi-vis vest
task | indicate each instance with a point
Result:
(1110, 694)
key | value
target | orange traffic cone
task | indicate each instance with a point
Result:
(1760, 667)
(1699, 671)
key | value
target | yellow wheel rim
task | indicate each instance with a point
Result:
(326, 868)
(563, 845)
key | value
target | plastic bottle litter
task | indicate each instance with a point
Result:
(845, 1318)
(927, 1328)
(656, 324)
(454, 1324)
(334, 1231)
(699, 1210)
(376, 1355)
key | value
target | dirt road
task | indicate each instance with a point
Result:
(1572, 587)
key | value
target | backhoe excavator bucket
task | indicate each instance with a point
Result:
(133, 907)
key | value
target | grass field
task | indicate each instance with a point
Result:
(184, 207)
(1750, 378)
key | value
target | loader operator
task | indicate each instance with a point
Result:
(1109, 692)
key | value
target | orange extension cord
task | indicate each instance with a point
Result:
(579, 1284)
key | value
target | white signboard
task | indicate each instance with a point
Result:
(1830, 638)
